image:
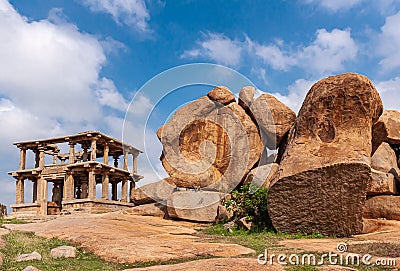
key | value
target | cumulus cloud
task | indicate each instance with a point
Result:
(334, 5)
(390, 93)
(389, 43)
(217, 47)
(328, 52)
(130, 12)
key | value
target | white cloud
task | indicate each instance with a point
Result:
(335, 5)
(390, 93)
(275, 57)
(130, 12)
(218, 48)
(108, 95)
(389, 43)
(329, 51)
(296, 94)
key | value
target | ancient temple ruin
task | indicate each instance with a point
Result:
(74, 174)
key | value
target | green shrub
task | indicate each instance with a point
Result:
(250, 201)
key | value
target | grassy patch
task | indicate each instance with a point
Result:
(383, 249)
(11, 221)
(21, 243)
(302, 268)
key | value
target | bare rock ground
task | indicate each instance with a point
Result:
(130, 238)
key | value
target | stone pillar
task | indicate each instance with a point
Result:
(43, 187)
(124, 190)
(37, 158)
(134, 163)
(22, 158)
(55, 158)
(35, 191)
(56, 197)
(41, 158)
(71, 158)
(106, 151)
(131, 189)
(126, 157)
(20, 191)
(116, 161)
(93, 154)
(114, 191)
(85, 156)
(69, 188)
(92, 185)
(84, 192)
(104, 186)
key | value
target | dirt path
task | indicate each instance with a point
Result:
(129, 238)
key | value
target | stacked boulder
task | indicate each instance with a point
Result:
(383, 199)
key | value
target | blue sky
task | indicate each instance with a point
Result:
(73, 65)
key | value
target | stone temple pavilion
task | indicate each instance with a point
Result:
(73, 175)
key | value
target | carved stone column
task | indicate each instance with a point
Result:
(114, 191)
(126, 157)
(104, 186)
(43, 187)
(22, 158)
(84, 192)
(124, 190)
(93, 154)
(71, 158)
(116, 161)
(69, 188)
(41, 158)
(20, 191)
(92, 185)
(106, 151)
(35, 191)
(134, 163)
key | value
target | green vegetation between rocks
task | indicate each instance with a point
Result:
(4, 220)
(21, 243)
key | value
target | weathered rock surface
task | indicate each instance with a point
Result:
(386, 129)
(382, 207)
(221, 95)
(382, 184)
(207, 144)
(31, 268)
(223, 264)
(1, 259)
(246, 97)
(384, 159)
(153, 192)
(63, 252)
(262, 176)
(324, 171)
(150, 209)
(273, 118)
(34, 256)
(327, 200)
(3, 210)
(200, 206)
(130, 238)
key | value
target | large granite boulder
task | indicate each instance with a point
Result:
(386, 129)
(382, 183)
(210, 142)
(383, 207)
(273, 118)
(150, 209)
(384, 159)
(200, 206)
(153, 192)
(325, 169)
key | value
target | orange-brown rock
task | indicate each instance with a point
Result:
(246, 97)
(207, 144)
(153, 192)
(324, 171)
(385, 160)
(221, 95)
(273, 118)
(383, 207)
(382, 183)
(386, 129)
(201, 206)
(262, 175)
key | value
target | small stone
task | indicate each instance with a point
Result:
(63, 252)
(34, 256)
(221, 95)
(229, 226)
(244, 224)
(31, 268)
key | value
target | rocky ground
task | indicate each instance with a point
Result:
(130, 238)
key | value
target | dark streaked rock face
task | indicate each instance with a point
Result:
(324, 171)
(327, 200)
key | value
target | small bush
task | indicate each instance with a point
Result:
(250, 201)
